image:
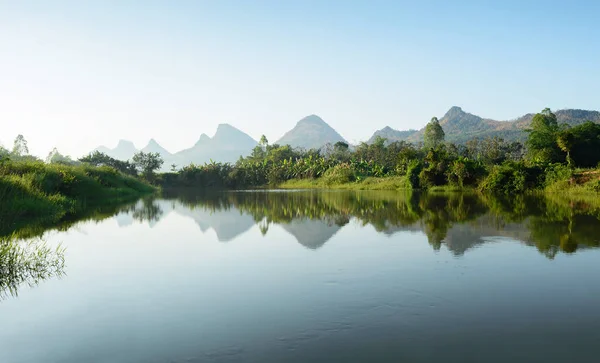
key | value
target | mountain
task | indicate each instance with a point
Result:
(391, 135)
(460, 126)
(227, 145)
(123, 151)
(154, 147)
(310, 133)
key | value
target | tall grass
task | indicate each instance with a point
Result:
(33, 190)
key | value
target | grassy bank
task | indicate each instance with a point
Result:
(49, 193)
(557, 180)
(371, 183)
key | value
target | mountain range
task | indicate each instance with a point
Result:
(229, 143)
(460, 126)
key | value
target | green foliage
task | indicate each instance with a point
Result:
(54, 157)
(464, 172)
(100, 159)
(585, 144)
(20, 147)
(512, 178)
(436, 166)
(413, 170)
(558, 177)
(50, 192)
(339, 174)
(434, 134)
(147, 163)
(541, 142)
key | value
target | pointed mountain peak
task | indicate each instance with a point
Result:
(225, 126)
(454, 111)
(154, 147)
(226, 131)
(310, 133)
(203, 140)
(312, 120)
(387, 129)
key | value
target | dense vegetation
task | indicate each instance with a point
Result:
(35, 191)
(551, 158)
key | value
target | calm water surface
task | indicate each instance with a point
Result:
(317, 277)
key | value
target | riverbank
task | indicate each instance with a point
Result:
(371, 183)
(48, 193)
(584, 183)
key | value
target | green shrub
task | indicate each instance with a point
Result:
(339, 174)
(412, 173)
(512, 177)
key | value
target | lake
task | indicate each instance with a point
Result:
(315, 276)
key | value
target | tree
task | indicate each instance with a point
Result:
(263, 141)
(4, 155)
(98, 159)
(565, 141)
(147, 163)
(54, 157)
(541, 141)
(341, 151)
(173, 167)
(20, 146)
(434, 134)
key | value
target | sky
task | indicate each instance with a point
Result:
(79, 74)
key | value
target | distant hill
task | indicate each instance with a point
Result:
(154, 147)
(227, 145)
(123, 151)
(391, 135)
(461, 126)
(310, 133)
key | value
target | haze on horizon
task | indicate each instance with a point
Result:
(77, 75)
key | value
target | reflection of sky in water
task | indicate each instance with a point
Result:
(174, 292)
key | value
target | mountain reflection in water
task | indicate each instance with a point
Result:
(458, 221)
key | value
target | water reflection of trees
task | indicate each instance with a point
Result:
(145, 210)
(548, 223)
(27, 263)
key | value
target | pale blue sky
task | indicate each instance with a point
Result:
(77, 74)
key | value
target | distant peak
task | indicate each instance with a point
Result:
(454, 111)
(152, 142)
(204, 138)
(312, 119)
(387, 129)
(226, 129)
(225, 126)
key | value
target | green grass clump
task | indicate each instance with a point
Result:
(33, 190)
